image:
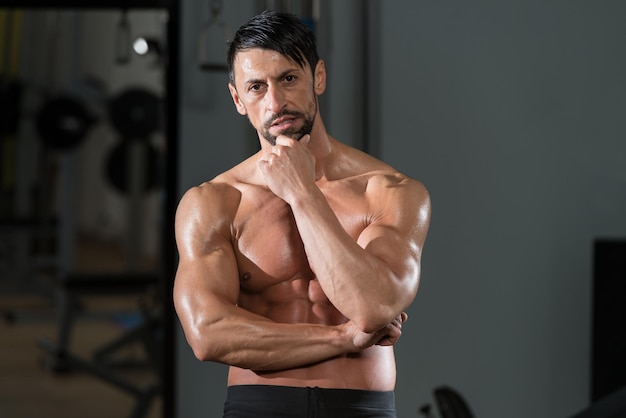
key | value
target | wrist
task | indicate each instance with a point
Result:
(307, 199)
(345, 338)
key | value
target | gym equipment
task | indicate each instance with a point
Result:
(212, 40)
(135, 113)
(122, 39)
(132, 165)
(450, 404)
(60, 357)
(47, 63)
(63, 122)
(117, 167)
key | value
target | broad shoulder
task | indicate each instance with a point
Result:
(207, 209)
(208, 197)
(376, 176)
(394, 182)
(217, 201)
(392, 196)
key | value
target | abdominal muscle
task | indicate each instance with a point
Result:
(370, 369)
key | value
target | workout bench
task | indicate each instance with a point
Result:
(61, 359)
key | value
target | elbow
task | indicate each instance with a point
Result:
(202, 354)
(202, 335)
(372, 320)
(202, 350)
(373, 315)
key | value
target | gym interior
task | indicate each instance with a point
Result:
(511, 113)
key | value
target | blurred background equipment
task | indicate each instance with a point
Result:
(213, 38)
(84, 196)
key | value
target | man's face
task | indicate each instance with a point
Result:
(278, 96)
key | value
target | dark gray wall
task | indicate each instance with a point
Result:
(511, 114)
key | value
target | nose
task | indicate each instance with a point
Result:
(274, 99)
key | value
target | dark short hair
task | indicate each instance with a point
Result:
(281, 32)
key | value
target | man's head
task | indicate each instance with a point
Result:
(276, 75)
(280, 32)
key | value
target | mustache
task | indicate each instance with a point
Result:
(275, 116)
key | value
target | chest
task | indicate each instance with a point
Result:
(269, 249)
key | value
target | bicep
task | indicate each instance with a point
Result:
(398, 228)
(206, 277)
(395, 248)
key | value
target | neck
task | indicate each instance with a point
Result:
(320, 145)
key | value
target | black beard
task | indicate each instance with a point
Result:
(305, 129)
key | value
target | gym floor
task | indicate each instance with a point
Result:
(29, 389)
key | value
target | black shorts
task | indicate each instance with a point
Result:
(260, 401)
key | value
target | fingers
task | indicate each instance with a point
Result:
(265, 162)
(390, 336)
(393, 331)
(285, 141)
(400, 319)
(282, 147)
(288, 141)
(288, 149)
(270, 157)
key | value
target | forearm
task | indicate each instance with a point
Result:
(245, 340)
(359, 284)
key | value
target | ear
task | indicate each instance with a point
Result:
(320, 77)
(241, 108)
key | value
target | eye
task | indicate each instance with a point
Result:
(256, 88)
(290, 78)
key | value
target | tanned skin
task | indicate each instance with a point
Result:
(296, 265)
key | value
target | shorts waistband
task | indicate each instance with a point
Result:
(353, 397)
